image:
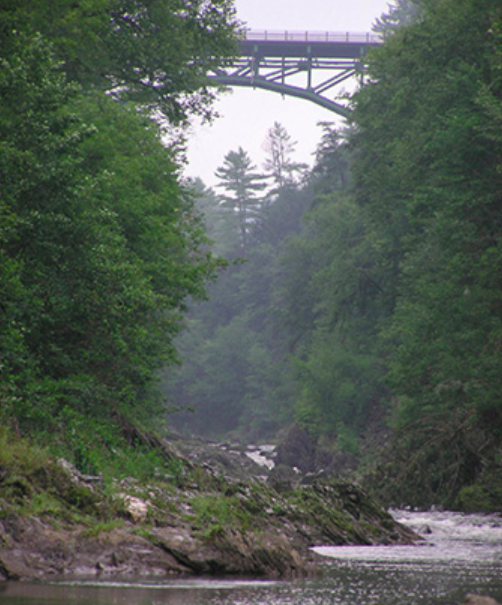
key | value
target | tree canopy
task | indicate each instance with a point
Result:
(153, 52)
(100, 243)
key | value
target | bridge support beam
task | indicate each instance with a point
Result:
(284, 89)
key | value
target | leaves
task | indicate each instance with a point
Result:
(427, 171)
(156, 53)
(99, 248)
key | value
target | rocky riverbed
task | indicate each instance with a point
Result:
(217, 512)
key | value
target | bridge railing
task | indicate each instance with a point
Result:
(312, 36)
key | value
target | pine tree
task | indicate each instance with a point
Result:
(242, 187)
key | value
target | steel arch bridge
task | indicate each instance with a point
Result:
(308, 65)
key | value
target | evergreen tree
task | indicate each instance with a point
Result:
(242, 187)
(331, 171)
(401, 14)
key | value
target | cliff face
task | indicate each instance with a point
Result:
(59, 523)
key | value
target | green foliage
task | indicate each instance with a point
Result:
(45, 504)
(99, 248)
(216, 513)
(32, 482)
(388, 298)
(331, 171)
(337, 388)
(236, 376)
(242, 187)
(222, 378)
(156, 53)
(485, 494)
(401, 13)
(20, 457)
(221, 226)
(446, 216)
(447, 458)
(100, 528)
(427, 172)
(334, 295)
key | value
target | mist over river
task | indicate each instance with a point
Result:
(461, 554)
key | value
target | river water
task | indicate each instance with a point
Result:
(461, 554)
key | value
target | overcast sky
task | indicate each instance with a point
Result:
(247, 114)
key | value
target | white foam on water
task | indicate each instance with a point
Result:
(449, 538)
(260, 454)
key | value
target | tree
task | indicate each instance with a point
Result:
(236, 374)
(223, 380)
(99, 247)
(154, 52)
(242, 186)
(279, 164)
(222, 226)
(333, 305)
(427, 171)
(439, 171)
(401, 14)
(331, 171)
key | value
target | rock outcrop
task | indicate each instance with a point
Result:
(206, 520)
(295, 449)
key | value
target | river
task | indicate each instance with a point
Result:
(461, 554)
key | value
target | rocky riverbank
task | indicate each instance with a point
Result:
(215, 513)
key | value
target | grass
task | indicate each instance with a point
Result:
(215, 512)
(32, 482)
(20, 457)
(101, 527)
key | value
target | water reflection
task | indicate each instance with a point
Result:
(190, 592)
(345, 583)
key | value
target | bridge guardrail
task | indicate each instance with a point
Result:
(312, 36)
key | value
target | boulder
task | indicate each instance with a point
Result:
(283, 478)
(232, 551)
(295, 449)
(135, 507)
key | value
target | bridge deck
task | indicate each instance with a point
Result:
(307, 44)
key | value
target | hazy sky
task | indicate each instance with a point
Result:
(247, 114)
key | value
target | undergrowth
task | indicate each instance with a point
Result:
(33, 481)
(214, 512)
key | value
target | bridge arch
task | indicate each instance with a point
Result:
(276, 61)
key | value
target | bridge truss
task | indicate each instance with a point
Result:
(308, 65)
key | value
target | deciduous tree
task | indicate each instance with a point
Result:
(154, 52)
